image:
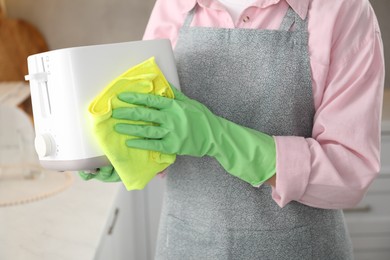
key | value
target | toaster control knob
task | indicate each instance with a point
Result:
(44, 145)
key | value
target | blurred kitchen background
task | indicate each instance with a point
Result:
(57, 216)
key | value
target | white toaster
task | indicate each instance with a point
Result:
(63, 82)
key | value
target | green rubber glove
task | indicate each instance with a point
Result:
(186, 127)
(105, 174)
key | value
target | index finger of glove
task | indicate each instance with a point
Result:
(148, 100)
(139, 114)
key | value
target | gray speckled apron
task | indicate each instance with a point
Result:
(259, 79)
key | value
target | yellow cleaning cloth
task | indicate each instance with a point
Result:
(135, 167)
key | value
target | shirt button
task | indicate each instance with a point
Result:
(246, 19)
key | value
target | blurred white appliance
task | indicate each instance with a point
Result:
(63, 82)
(16, 138)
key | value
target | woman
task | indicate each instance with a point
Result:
(286, 92)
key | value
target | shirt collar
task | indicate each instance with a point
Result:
(301, 7)
(189, 4)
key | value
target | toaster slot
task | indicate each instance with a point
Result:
(39, 82)
(43, 88)
(44, 99)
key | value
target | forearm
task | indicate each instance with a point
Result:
(244, 152)
(324, 176)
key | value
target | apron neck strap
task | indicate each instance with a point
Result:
(292, 18)
(190, 17)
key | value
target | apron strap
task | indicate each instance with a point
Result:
(190, 16)
(292, 18)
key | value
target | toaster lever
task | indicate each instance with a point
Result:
(40, 80)
(39, 76)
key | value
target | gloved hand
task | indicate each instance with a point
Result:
(105, 174)
(186, 127)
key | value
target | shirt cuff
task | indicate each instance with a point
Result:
(292, 169)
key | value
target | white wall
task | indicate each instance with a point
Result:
(68, 23)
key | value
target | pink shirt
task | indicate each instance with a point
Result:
(334, 167)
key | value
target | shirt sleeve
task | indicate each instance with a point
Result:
(334, 168)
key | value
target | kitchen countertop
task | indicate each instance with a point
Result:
(68, 225)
